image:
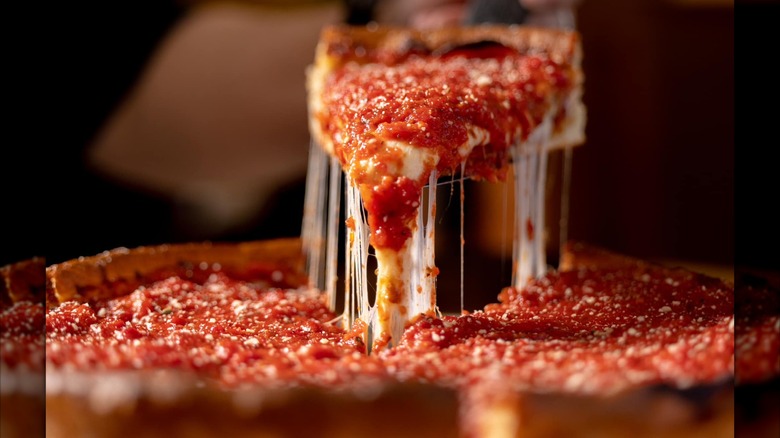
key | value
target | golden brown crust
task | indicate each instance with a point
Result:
(22, 415)
(580, 255)
(23, 281)
(349, 43)
(643, 413)
(258, 412)
(113, 272)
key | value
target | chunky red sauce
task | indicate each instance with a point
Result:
(232, 331)
(595, 332)
(582, 332)
(392, 205)
(430, 105)
(22, 335)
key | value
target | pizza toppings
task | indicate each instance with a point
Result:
(405, 119)
(581, 333)
(588, 332)
(398, 109)
(22, 336)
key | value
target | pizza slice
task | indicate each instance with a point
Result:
(396, 109)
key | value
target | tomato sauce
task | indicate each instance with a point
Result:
(432, 106)
(231, 331)
(21, 333)
(589, 332)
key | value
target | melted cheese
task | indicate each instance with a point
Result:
(414, 161)
(405, 278)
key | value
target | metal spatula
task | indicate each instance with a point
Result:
(495, 11)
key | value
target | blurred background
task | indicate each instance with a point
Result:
(188, 122)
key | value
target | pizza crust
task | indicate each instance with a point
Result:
(113, 272)
(164, 404)
(22, 281)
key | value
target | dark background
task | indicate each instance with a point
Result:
(655, 179)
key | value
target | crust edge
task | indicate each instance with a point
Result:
(86, 277)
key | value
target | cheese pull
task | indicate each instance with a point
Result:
(394, 109)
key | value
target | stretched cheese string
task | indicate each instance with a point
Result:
(356, 298)
(331, 253)
(422, 277)
(540, 256)
(462, 237)
(530, 177)
(504, 221)
(421, 270)
(565, 187)
(320, 235)
(313, 228)
(519, 248)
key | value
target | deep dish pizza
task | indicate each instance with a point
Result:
(22, 312)
(399, 108)
(215, 338)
